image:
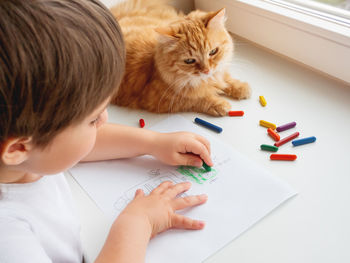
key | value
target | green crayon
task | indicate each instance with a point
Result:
(206, 167)
(269, 148)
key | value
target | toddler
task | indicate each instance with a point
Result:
(60, 61)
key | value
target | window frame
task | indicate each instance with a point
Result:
(313, 40)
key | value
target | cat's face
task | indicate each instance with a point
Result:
(196, 48)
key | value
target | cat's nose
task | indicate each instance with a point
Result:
(205, 71)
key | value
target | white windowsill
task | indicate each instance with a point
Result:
(310, 40)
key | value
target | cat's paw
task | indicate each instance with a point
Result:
(243, 91)
(220, 108)
(238, 90)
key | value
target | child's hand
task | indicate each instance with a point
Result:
(182, 148)
(158, 208)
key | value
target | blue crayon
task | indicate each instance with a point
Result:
(304, 141)
(208, 125)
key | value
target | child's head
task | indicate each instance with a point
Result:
(60, 61)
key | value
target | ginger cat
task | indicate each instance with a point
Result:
(176, 62)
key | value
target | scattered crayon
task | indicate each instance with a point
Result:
(304, 141)
(206, 167)
(142, 123)
(283, 157)
(208, 125)
(235, 113)
(286, 126)
(287, 139)
(273, 134)
(267, 124)
(269, 148)
(262, 101)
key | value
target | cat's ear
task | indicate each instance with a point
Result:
(165, 34)
(217, 20)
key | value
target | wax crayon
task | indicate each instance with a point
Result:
(287, 139)
(208, 125)
(286, 126)
(283, 157)
(267, 124)
(235, 113)
(273, 134)
(304, 141)
(206, 167)
(262, 101)
(269, 148)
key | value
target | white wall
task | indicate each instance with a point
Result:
(184, 5)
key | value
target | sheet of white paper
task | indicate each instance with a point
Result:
(240, 193)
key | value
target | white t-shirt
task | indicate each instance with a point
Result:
(38, 223)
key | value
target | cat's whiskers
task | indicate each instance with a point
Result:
(195, 82)
(184, 92)
(222, 66)
(179, 83)
(169, 88)
(170, 110)
(171, 104)
(205, 77)
(178, 92)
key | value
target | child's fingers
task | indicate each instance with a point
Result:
(162, 187)
(177, 189)
(188, 201)
(180, 221)
(189, 159)
(196, 147)
(204, 141)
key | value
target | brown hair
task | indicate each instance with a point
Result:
(59, 60)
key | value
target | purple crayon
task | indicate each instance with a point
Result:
(286, 126)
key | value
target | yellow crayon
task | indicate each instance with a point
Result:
(267, 124)
(262, 101)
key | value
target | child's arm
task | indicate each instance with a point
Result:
(145, 217)
(117, 141)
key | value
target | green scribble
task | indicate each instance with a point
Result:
(185, 171)
(199, 175)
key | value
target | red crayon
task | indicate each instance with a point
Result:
(287, 139)
(142, 123)
(235, 113)
(283, 157)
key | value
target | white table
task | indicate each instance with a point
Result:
(315, 225)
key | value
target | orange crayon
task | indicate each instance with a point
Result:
(273, 134)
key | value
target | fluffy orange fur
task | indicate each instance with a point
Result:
(176, 62)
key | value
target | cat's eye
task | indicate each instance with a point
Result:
(213, 51)
(189, 61)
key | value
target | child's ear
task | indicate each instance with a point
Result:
(16, 150)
